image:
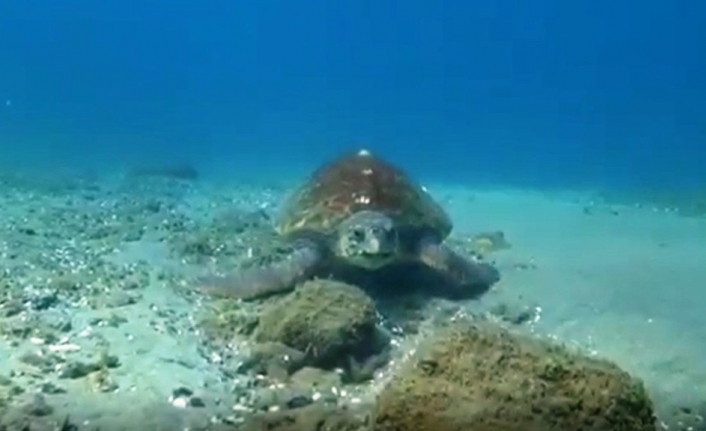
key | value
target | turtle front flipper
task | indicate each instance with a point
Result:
(258, 282)
(467, 276)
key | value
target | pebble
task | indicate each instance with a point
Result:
(36, 405)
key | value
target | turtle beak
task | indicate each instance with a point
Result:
(377, 254)
(375, 247)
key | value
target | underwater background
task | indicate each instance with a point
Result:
(544, 93)
(146, 149)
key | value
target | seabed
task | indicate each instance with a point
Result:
(102, 328)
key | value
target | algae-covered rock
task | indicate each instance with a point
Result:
(310, 418)
(480, 377)
(328, 320)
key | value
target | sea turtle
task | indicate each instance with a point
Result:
(362, 211)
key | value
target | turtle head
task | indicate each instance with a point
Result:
(367, 239)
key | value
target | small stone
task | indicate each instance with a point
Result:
(36, 405)
(316, 378)
(114, 320)
(57, 321)
(11, 308)
(44, 300)
(196, 402)
(41, 359)
(120, 299)
(65, 284)
(27, 231)
(515, 314)
(182, 392)
(35, 359)
(180, 402)
(108, 361)
(101, 381)
(51, 389)
(114, 299)
(133, 236)
(7, 392)
(76, 370)
(299, 402)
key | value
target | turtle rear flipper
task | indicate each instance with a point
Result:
(467, 275)
(258, 282)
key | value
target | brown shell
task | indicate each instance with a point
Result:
(355, 182)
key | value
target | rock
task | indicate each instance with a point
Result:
(225, 320)
(11, 307)
(102, 381)
(49, 328)
(514, 313)
(182, 397)
(115, 299)
(489, 242)
(182, 391)
(43, 300)
(316, 378)
(36, 405)
(279, 398)
(273, 359)
(112, 320)
(78, 369)
(328, 320)
(51, 388)
(363, 371)
(197, 402)
(8, 391)
(309, 418)
(306, 386)
(481, 377)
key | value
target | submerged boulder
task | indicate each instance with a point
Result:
(333, 323)
(480, 377)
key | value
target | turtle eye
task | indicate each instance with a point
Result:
(358, 234)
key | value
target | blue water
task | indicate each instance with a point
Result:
(563, 94)
(543, 92)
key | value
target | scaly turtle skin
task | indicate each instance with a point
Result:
(362, 211)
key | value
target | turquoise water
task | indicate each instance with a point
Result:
(144, 147)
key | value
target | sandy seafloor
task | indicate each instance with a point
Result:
(96, 323)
